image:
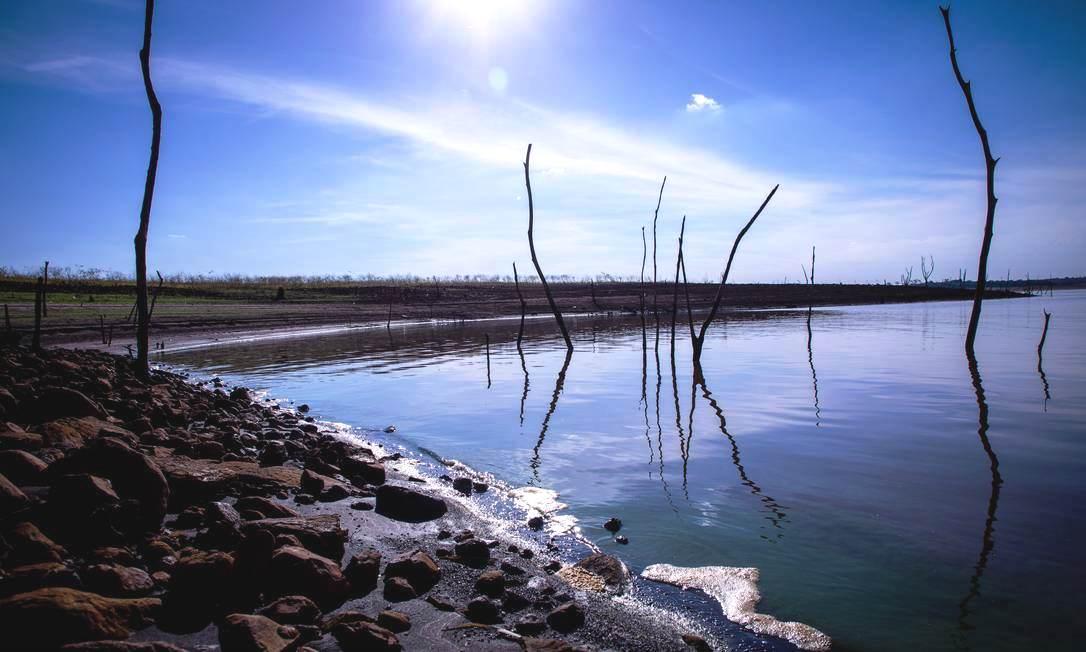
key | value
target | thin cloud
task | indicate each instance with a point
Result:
(699, 103)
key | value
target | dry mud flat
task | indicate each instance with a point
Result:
(161, 515)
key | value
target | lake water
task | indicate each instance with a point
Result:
(852, 463)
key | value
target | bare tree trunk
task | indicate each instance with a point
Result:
(644, 256)
(989, 166)
(535, 259)
(487, 360)
(699, 342)
(523, 306)
(45, 283)
(655, 308)
(1044, 334)
(675, 293)
(39, 293)
(812, 264)
(142, 312)
(154, 297)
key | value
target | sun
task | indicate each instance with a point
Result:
(483, 19)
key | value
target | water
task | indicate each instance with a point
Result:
(857, 472)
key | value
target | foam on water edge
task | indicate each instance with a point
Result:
(736, 589)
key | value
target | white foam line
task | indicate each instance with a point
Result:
(736, 589)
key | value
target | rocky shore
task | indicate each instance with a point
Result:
(163, 514)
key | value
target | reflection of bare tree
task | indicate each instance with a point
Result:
(559, 382)
(659, 426)
(1040, 359)
(776, 512)
(678, 409)
(524, 368)
(987, 539)
(814, 375)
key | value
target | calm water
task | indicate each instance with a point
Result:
(854, 467)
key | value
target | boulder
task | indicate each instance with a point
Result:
(117, 581)
(394, 621)
(71, 432)
(491, 583)
(529, 625)
(122, 646)
(566, 618)
(222, 524)
(473, 552)
(19, 579)
(292, 610)
(417, 568)
(12, 499)
(74, 498)
(247, 633)
(483, 611)
(27, 545)
(265, 506)
(199, 481)
(51, 617)
(297, 571)
(403, 504)
(322, 534)
(22, 468)
(362, 471)
(57, 402)
(200, 583)
(606, 567)
(19, 439)
(397, 589)
(362, 571)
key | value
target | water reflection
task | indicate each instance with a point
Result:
(988, 537)
(559, 383)
(814, 374)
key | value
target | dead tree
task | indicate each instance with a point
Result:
(45, 283)
(39, 293)
(961, 278)
(907, 277)
(1044, 334)
(809, 280)
(989, 167)
(535, 259)
(925, 270)
(487, 360)
(644, 255)
(655, 307)
(523, 306)
(675, 293)
(143, 315)
(154, 297)
(699, 341)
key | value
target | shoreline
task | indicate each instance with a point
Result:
(208, 505)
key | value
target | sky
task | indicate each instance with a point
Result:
(388, 138)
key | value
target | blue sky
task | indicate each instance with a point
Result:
(387, 137)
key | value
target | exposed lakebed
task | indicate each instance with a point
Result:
(850, 463)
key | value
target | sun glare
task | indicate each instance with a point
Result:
(483, 19)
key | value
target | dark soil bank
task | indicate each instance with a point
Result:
(161, 515)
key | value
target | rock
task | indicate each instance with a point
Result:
(398, 589)
(27, 545)
(362, 571)
(19, 579)
(122, 646)
(566, 618)
(546, 645)
(529, 625)
(240, 394)
(19, 439)
(480, 487)
(190, 518)
(73, 500)
(57, 402)
(473, 552)
(22, 468)
(245, 633)
(612, 525)
(394, 621)
(512, 602)
(326, 489)
(440, 603)
(509, 568)
(200, 481)
(274, 453)
(482, 610)
(417, 568)
(113, 555)
(51, 617)
(362, 471)
(223, 523)
(200, 584)
(117, 581)
(12, 499)
(535, 523)
(362, 506)
(70, 432)
(305, 499)
(266, 507)
(322, 534)
(361, 635)
(696, 642)
(403, 504)
(463, 485)
(607, 568)
(303, 408)
(292, 610)
(299, 571)
(491, 583)
(621, 540)
(132, 474)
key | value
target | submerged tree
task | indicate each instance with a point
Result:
(143, 316)
(989, 167)
(535, 259)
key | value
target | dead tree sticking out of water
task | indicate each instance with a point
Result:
(39, 293)
(1040, 359)
(655, 306)
(989, 166)
(925, 270)
(809, 280)
(644, 255)
(675, 292)
(523, 306)
(143, 315)
(1044, 335)
(535, 259)
(907, 277)
(45, 283)
(699, 341)
(487, 360)
(961, 278)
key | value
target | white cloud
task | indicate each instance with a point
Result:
(699, 102)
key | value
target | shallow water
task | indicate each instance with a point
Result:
(853, 464)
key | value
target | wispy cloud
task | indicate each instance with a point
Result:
(699, 103)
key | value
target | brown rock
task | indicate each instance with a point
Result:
(403, 504)
(246, 633)
(71, 432)
(546, 645)
(607, 568)
(482, 610)
(362, 571)
(292, 610)
(298, 571)
(57, 402)
(12, 499)
(473, 552)
(117, 581)
(22, 468)
(394, 621)
(417, 567)
(566, 618)
(491, 583)
(322, 534)
(11, 439)
(52, 617)
(362, 635)
(199, 481)
(28, 545)
(265, 506)
(29, 577)
(696, 642)
(398, 589)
